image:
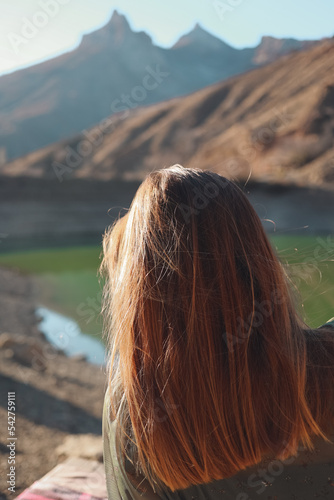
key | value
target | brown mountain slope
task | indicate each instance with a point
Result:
(274, 124)
(60, 97)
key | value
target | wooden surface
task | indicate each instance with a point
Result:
(73, 479)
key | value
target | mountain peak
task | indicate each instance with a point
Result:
(116, 31)
(118, 21)
(198, 27)
(201, 37)
(270, 47)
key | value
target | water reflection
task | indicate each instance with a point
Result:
(64, 333)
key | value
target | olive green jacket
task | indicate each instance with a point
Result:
(308, 475)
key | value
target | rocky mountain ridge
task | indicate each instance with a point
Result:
(65, 95)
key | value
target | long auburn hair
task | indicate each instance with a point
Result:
(211, 366)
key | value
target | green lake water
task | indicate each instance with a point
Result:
(69, 284)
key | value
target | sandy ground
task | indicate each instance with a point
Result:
(66, 398)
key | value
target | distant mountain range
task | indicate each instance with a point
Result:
(273, 124)
(115, 70)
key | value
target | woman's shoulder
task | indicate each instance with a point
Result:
(329, 323)
(324, 332)
(320, 346)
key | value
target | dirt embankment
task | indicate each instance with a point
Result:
(41, 212)
(55, 396)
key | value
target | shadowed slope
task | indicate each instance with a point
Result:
(274, 123)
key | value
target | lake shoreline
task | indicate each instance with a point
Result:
(56, 396)
(43, 213)
(64, 333)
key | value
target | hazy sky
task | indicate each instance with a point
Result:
(34, 30)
